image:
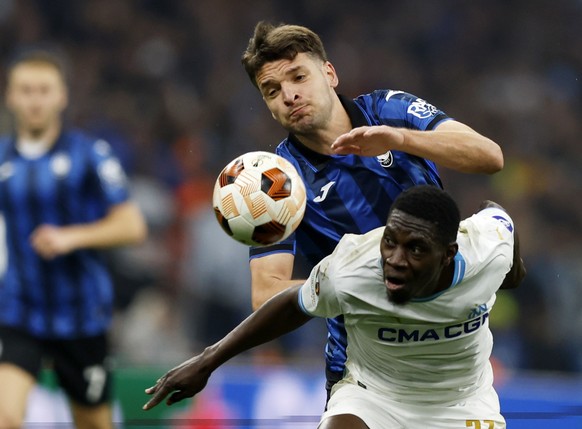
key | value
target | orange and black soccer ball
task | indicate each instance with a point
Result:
(259, 198)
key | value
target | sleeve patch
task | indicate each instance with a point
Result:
(421, 109)
(111, 173)
(505, 222)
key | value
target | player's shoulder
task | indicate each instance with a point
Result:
(87, 141)
(490, 219)
(355, 249)
(79, 136)
(486, 240)
(401, 109)
(382, 96)
(282, 148)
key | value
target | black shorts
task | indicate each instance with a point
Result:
(81, 365)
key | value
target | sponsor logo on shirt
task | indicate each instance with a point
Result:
(314, 289)
(421, 109)
(411, 335)
(324, 191)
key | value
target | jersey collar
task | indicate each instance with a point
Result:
(458, 276)
(318, 160)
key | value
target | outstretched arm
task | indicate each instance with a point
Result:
(276, 317)
(452, 145)
(515, 276)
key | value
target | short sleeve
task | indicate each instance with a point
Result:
(413, 112)
(318, 296)
(109, 173)
(287, 245)
(487, 241)
(499, 222)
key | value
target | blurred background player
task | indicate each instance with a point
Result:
(391, 140)
(63, 195)
(416, 296)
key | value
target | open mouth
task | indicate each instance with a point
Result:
(394, 283)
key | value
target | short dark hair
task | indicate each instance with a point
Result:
(284, 41)
(434, 205)
(40, 56)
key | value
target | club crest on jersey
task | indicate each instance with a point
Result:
(386, 160)
(421, 109)
(61, 165)
(478, 311)
(6, 170)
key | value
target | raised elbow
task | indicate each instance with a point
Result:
(496, 160)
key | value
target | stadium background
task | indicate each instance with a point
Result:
(161, 80)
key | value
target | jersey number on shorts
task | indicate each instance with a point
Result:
(95, 376)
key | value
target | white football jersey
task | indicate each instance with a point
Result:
(430, 350)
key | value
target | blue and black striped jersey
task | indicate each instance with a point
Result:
(352, 194)
(75, 182)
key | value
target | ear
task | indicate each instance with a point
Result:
(331, 74)
(450, 252)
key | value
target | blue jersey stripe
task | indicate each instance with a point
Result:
(40, 187)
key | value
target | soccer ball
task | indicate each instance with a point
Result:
(259, 198)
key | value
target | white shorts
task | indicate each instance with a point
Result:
(379, 412)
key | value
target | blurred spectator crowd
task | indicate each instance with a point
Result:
(162, 81)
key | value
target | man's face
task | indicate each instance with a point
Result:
(36, 95)
(413, 259)
(299, 92)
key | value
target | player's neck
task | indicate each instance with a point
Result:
(320, 141)
(446, 278)
(48, 134)
(36, 142)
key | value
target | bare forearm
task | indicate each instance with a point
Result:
(124, 225)
(463, 150)
(278, 316)
(452, 144)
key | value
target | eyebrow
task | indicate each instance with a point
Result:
(270, 82)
